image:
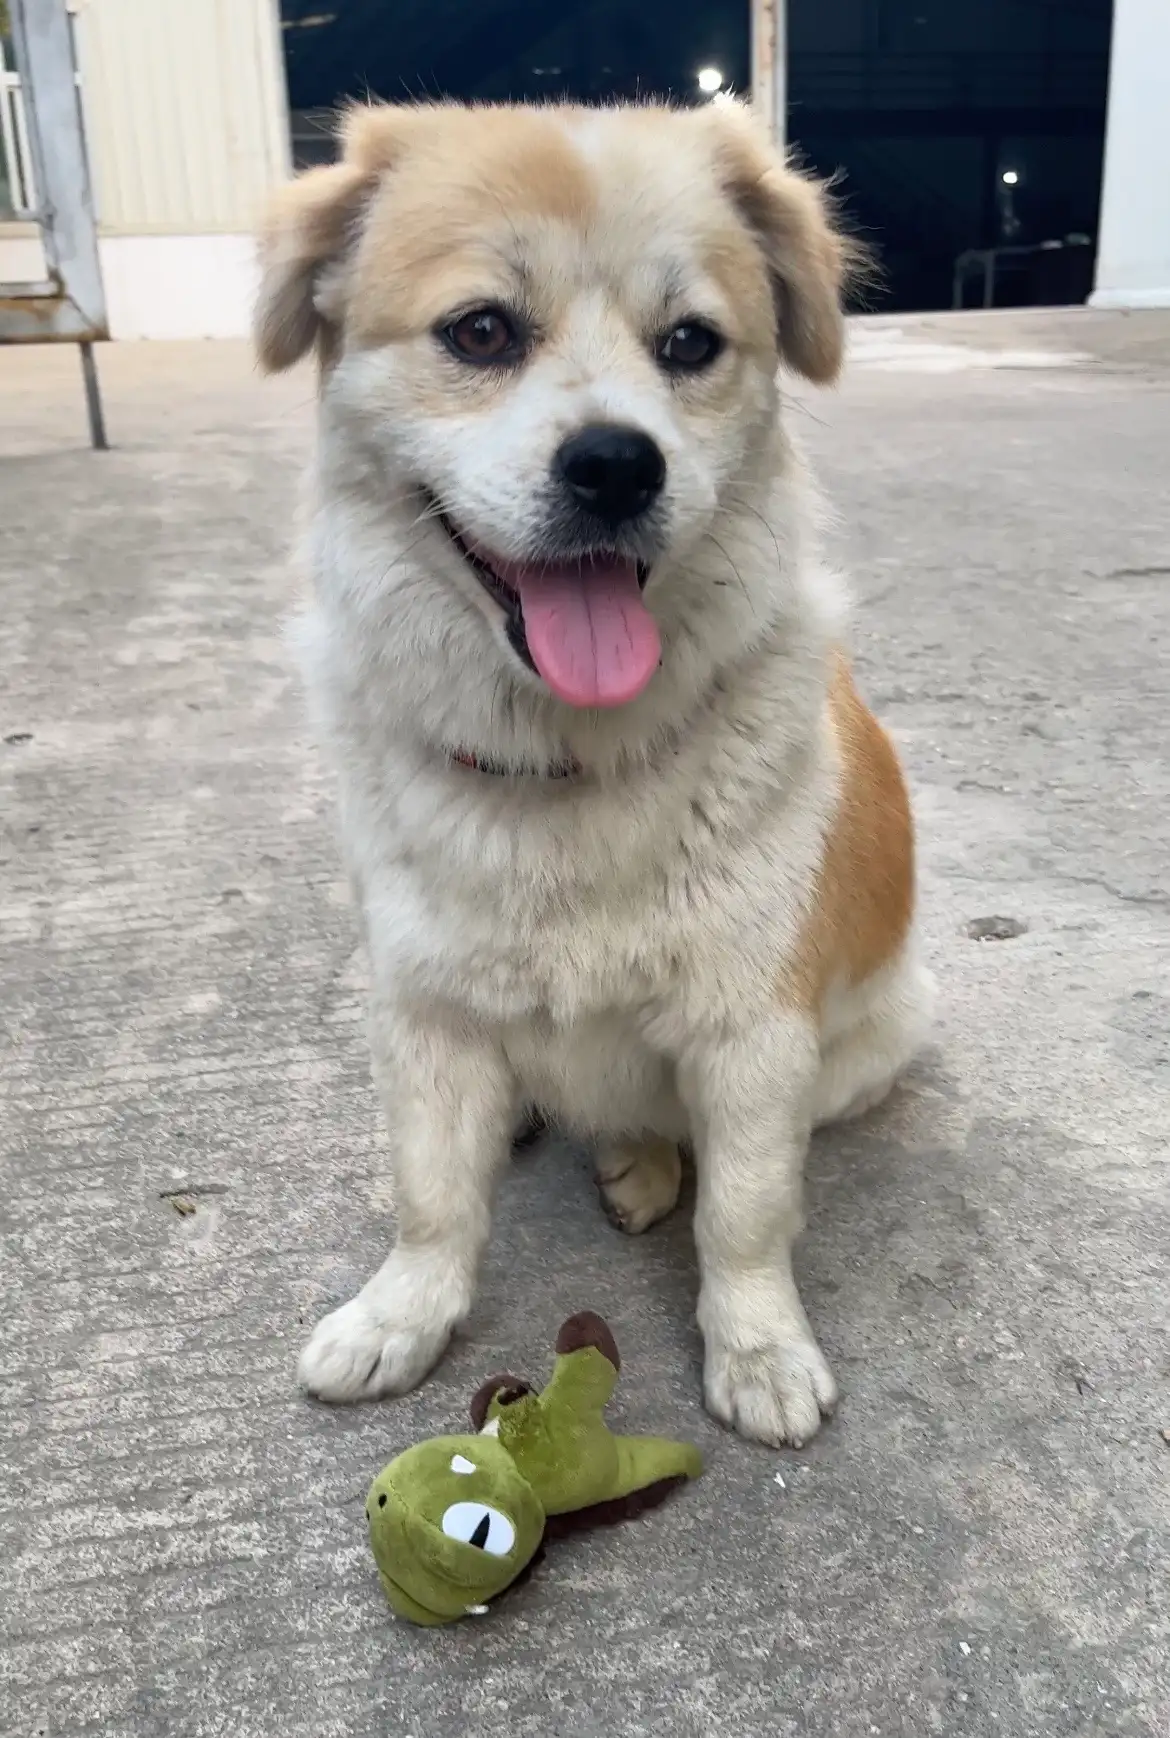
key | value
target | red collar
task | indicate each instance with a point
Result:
(569, 768)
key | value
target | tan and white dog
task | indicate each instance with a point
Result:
(626, 843)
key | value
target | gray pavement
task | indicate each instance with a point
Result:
(979, 1544)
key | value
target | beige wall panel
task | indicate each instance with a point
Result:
(186, 112)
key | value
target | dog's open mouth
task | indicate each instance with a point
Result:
(582, 624)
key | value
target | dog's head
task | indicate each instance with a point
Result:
(554, 333)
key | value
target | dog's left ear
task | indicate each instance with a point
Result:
(809, 261)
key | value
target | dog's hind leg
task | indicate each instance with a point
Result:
(863, 1059)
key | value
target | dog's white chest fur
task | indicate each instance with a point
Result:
(591, 920)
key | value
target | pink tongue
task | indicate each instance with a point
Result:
(591, 636)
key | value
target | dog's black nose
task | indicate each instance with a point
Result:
(615, 473)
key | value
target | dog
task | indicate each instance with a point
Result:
(626, 844)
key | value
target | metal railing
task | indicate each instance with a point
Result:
(986, 264)
(18, 194)
(47, 180)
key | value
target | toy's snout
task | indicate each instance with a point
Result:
(450, 1532)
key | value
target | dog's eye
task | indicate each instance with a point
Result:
(689, 347)
(484, 335)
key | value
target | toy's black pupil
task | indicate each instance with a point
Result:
(480, 1537)
(382, 1500)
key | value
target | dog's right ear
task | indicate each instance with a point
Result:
(311, 228)
(311, 232)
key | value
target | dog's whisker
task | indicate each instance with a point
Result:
(805, 409)
(738, 575)
(750, 507)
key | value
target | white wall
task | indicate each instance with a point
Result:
(22, 258)
(1133, 253)
(159, 286)
(178, 286)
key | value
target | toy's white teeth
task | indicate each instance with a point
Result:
(476, 1610)
(491, 1428)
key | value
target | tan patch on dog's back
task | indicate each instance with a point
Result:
(863, 897)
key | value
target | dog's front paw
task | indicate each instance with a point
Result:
(776, 1393)
(357, 1354)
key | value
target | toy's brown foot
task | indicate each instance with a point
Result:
(587, 1328)
(639, 1182)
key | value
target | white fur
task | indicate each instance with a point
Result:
(611, 947)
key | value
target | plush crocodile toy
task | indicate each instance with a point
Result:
(456, 1520)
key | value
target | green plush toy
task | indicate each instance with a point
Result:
(456, 1520)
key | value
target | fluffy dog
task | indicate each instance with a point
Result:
(626, 843)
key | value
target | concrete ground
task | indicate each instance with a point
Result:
(979, 1544)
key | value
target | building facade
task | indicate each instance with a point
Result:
(188, 123)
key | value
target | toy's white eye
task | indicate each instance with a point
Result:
(460, 1463)
(476, 1524)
